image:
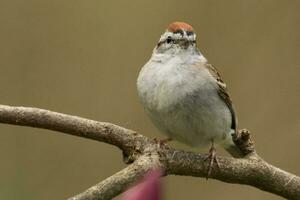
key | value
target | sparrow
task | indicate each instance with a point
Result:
(185, 96)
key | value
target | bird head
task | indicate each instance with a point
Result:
(178, 37)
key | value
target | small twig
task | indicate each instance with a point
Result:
(117, 183)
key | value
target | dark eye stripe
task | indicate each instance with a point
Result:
(189, 33)
(179, 31)
(160, 43)
(169, 39)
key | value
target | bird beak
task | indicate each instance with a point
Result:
(184, 43)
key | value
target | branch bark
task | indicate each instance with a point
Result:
(147, 154)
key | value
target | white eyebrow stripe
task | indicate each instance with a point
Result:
(177, 36)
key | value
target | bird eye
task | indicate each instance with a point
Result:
(169, 40)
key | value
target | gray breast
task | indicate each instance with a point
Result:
(183, 102)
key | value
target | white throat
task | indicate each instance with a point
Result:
(188, 55)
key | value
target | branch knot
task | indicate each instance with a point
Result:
(243, 141)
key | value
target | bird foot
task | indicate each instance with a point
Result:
(212, 157)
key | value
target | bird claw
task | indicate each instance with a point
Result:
(212, 156)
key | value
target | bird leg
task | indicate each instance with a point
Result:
(212, 157)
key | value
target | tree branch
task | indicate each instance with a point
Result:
(252, 171)
(127, 140)
(147, 154)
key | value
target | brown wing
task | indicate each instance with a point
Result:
(223, 94)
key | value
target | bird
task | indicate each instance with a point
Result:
(184, 95)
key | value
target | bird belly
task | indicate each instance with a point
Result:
(183, 102)
(195, 120)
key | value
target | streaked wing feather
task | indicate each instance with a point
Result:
(223, 94)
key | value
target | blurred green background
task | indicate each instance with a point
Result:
(83, 58)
